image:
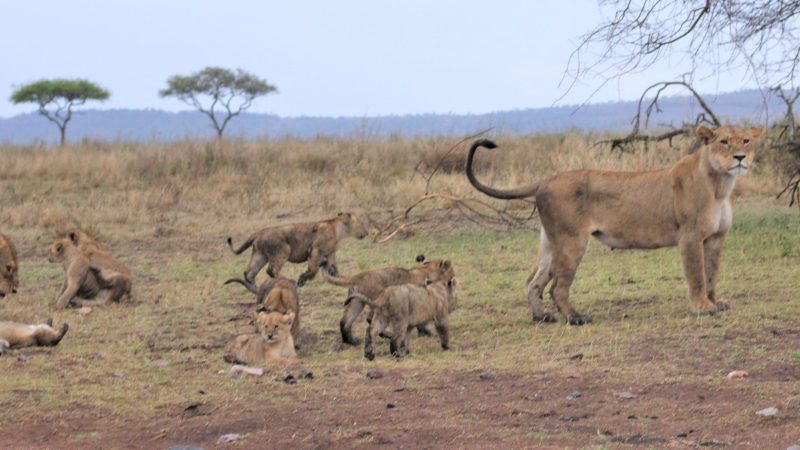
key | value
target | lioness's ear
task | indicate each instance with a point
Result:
(705, 134)
(756, 132)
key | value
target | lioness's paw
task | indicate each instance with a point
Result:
(580, 319)
(705, 309)
(722, 305)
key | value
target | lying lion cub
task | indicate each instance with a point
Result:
(273, 344)
(371, 283)
(277, 295)
(409, 305)
(688, 205)
(16, 335)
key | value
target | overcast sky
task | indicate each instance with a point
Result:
(331, 58)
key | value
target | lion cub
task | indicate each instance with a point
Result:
(277, 295)
(409, 305)
(272, 345)
(16, 335)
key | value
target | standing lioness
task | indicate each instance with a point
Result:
(298, 243)
(688, 205)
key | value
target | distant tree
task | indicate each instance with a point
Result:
(226, 93)
(57, 97)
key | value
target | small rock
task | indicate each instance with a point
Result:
(768, 412)
(238, 369)
(625, 395)
(575, 394)
(374, 374)
(23, 357)
(576, 357)
(202, 392)
(390, 406)
(486, 376)
(225, 438)
(400, 389)
(160, 363)
(793, 447)
(737, 374)
(118, 374)
(84, 311)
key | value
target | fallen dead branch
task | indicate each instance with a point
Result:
(792, 189)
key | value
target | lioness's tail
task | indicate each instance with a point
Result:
(338, 281)
(488, 190)
(244, 246)
(250, 286)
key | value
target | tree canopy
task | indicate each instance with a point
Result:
(219, 93)
(57, 97)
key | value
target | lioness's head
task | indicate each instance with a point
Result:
(273, 326)
(730, 148)
(9, 277)
(352, 225)
(439, 270)
(58, 250)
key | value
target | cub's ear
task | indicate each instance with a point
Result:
(288, 317)
(756, 132)
(445, 265)
(59, 247)
(705, 134)
(73, 236)
(340, 214)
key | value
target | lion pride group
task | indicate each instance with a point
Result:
(688, 205)
(397, 299)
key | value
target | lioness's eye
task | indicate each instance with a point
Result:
(746, 141)
(724, 142)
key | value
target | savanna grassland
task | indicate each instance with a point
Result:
(150, 374)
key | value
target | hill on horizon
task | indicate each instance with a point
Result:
(161, 126)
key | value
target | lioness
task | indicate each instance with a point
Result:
(409, 305)
(9, 267)
(298, 243)
(116, 275)
(273, 344)
(83, 285)
(15, 335)
(277, 295)
(688, 205)
(371, 283)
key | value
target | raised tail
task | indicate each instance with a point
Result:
(244, 246)
(488, 190)
(250, 286)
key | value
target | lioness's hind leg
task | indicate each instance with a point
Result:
(538, 280)
(566, 262)
(278, 259)
(257, 262)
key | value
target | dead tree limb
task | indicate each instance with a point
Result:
(645, 109)
(792, 189)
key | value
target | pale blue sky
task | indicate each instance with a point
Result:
(344, 57)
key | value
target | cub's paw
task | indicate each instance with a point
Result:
(722, 304)
(705, 309)
(545, 318)
(580, 319)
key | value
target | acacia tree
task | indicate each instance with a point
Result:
(714, 35)
(57, 97)
(226, 93)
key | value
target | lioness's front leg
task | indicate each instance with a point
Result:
(712, 249)
(692, 253)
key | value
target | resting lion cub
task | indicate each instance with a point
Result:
(115, 275)
(688, 205)
(16, 335)
(9, 267)
(298, 243)
(371, 283)
(272, 345)
(409, 305)
(277, 295)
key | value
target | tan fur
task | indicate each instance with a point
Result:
(113, 273)
(298, 243)
(82, 285)
(409, 305)
(16, 335)
(371, 283)
(277, 295)
(272, 345)
(9, 267)
(688, 205)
